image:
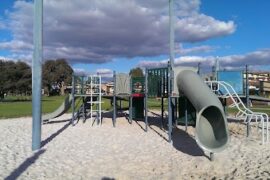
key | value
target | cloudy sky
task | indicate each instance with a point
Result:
(106, 35)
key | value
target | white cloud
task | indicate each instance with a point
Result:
(201, 27)
(80, 71)
(255, 60)
(98, 31)
(197, 49)
(16, 45)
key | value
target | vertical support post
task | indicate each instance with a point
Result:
(145, 100)
(162, 112)
(84, 117)
(248, 126)
(130, 109)
(211, 156)
(247, 88)
(73, 99)
(114, 98)
(37, 74)
(91, 98)
(171, 14)
(171, 64)
(169, 106)
(199, 69)
(175, 111)
(99, 101)
(186, 115)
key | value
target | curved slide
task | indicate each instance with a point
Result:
(211, 123)
(60, 111)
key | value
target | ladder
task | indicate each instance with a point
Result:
(95, 98)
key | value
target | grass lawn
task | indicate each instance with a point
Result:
(262, 109)
(19, 106)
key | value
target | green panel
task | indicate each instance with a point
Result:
(138, 108)
(191, 115)
(138, 85)
(157, 82)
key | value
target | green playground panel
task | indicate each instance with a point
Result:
(138, 85)
(191, 112)
(138, 108)
(157, 82)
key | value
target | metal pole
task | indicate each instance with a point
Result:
(247, 88)
(248, 126)
(171, 64)
(73, 99)
(145, 100)
(199, 68)
(186, 114)
(114, 99)
(169, 107)
(37, 74)
(211, 156)
(171, 14)
(130, 109)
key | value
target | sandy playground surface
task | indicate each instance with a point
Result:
(125, 152)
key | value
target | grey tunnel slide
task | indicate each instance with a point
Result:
(211, 123)
(60, 111)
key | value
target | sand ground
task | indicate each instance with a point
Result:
(89, 151)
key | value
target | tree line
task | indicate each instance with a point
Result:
(16, 77)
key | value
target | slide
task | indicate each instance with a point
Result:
(60, 111)
(211, 124)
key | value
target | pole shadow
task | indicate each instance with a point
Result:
(50, 138)
(25, 165)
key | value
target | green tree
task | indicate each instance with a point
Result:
(23, 77)
(15, 77)
(56, 73)
(136, 72)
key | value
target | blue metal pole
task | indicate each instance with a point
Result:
(186, 114)
(145, 100)
(247, 88)
(114, 99)
(169, 106)
(37, 74)
(171, 14)
(131, 99)
(73, 100)
(171, 64)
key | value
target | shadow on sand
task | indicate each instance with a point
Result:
(51, 137)
(181, 140)
(23, 167)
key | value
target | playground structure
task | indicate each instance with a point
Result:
(88, 88)
(173, 83)
(211, 124)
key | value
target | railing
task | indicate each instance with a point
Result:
(243, 112)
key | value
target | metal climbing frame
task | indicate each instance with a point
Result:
(89, 89)
(243, 112)
(95, 97)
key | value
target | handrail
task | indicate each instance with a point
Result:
(243, 111)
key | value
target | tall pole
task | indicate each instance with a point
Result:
(114, 98)
(171, 64)
(247, 88)
(37, 74)
(171, 14)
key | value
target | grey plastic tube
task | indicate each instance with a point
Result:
(211, 123)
